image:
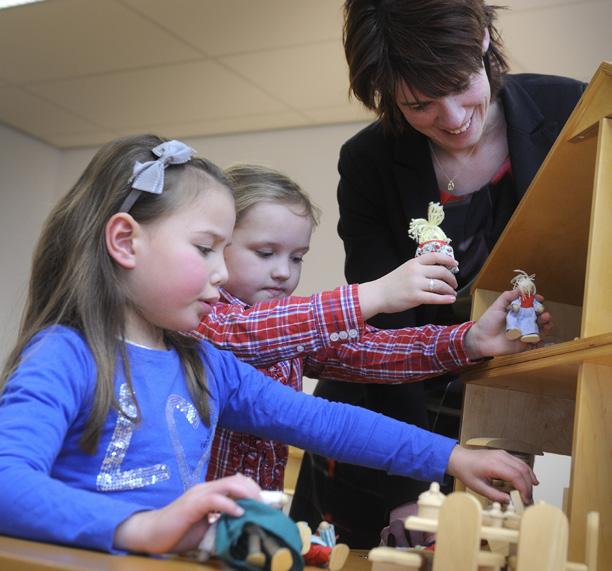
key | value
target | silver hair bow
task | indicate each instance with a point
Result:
(149, 176)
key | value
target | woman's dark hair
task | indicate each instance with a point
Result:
(433, 46)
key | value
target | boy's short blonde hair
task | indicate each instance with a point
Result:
(253, 184)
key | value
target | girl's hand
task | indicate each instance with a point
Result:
(476, 469)
(487, 337)
(180, 526)
(424, 279)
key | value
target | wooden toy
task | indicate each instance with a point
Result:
(512, 519)
(463, 516)
(522, 317)
(255, 554)
(393, 559)
(320, 549)
(430, 501)
(274, 498)
(493, 516)
(254, 545)
(535, 539)
(428, 234)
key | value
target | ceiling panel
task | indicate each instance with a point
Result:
(78, 72)
(261, 122)
(233, 26)
(31, 114)
(185, 92)
(305, 77)
(66, 38)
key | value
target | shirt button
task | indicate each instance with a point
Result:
(300, 348)
(353, 333)
(343, 335)
(334, 336)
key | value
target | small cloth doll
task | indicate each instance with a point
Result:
(522, 316)
(429, 235)
(320, 549)
(263, 538)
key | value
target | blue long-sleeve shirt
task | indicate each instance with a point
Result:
(53, 491)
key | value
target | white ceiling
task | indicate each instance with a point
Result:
(80, 72)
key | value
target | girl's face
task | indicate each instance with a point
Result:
(454, 122)
(179, 265)
(264, 260)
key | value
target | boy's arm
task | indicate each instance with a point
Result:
(287, 328)
(393, 355)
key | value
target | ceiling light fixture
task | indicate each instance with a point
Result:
(11, 3)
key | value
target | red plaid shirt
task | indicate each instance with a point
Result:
(323, 337)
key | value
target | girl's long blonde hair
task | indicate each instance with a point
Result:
(75, 283)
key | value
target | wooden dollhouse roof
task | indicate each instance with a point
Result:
(551, 232)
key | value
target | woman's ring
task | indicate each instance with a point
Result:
(431, 284)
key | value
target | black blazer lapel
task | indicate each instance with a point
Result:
(530, 134)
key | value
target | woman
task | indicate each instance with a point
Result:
(453, 127)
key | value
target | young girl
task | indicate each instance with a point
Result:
(322, 336)
(107, 414)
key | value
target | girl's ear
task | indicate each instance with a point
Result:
(486, 41)
(121, 230)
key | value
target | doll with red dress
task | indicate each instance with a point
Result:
(428, 234)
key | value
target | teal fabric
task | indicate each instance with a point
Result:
(232, 550)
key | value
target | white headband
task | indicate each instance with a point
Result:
(149, 176)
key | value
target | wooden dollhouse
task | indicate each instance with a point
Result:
(559, 397)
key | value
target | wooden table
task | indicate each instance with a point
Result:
(20, 555)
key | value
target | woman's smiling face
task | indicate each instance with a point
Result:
(454, 122)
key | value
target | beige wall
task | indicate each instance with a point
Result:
(28, 173)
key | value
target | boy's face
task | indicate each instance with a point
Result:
(264, 259)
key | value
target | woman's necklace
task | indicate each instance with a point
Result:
(451, 180)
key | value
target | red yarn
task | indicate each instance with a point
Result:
(317, 555)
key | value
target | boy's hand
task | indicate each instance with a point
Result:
(476, 469)
(424, 279)
(180, 526)
(487, 337)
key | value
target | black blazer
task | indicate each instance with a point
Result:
(386, 180)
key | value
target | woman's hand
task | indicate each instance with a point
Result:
(180, 526)
(424, 279)
(487, 337)
(476, 469)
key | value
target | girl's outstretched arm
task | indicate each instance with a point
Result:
(180, 526)
(254, 403)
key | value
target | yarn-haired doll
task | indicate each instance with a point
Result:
(522, 317)
(429, 235)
